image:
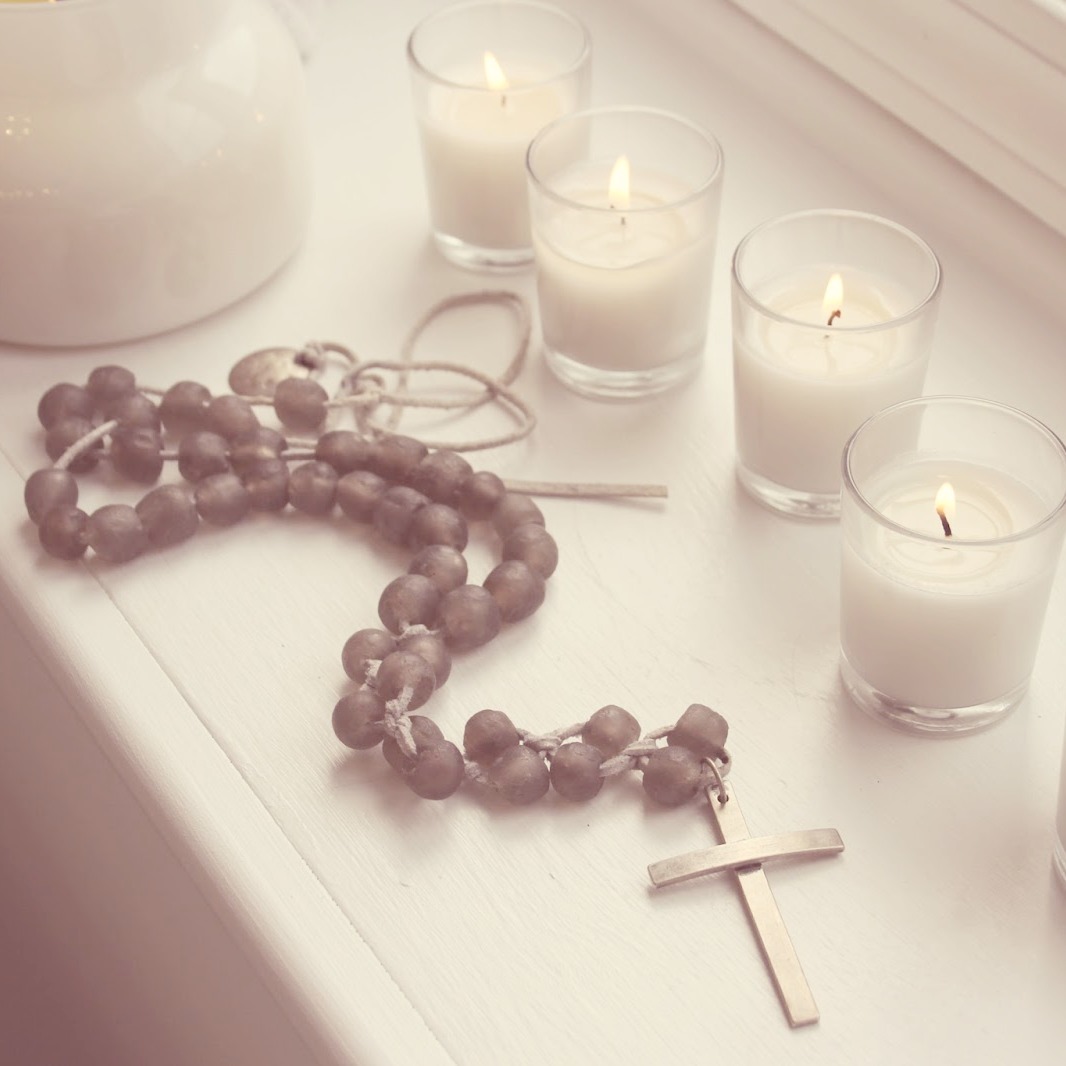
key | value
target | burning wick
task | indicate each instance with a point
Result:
(833, 300)
(945, 503)
(618, 186)
(495, 78)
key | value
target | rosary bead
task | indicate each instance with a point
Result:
(134, 409)
(222, 500)
(231, 417)
(439, 475)
(701, 730)
(517, 589)
(251, 448)
(313, 488)
(534, 546)
(437, 523)
(183, 407)
(168, 514)
(575, 771)
(115, 533)
(432, 649)
(358, 494)
(359, 719)
(363, 647)
(395, 511)
(67, 431)
(520, 775)
(344, 450)
(49, 488)
(202, 454)
(62, 532)
(64, 401)
(480, 493)
(438, 771)
(610, 730)
(408, 600)
(107, 383)
(672, 776)
(300, 403)
(469, 617)
(394, 456)
(488, 734)
(444, 566)
(267, 482)
(426, 734)
(404, 671)
(137, 453)
(514, 510)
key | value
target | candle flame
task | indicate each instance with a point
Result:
(495, 78)
(945, 506)
(833, 303)
(618, 185)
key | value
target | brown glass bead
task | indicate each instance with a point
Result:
(575, 771)
(404, 671)
(107, 383)
(359, 719)
(610, 730)
(488, 734)
(425, 733)
(468, 617)
(251, 448)
(438, 771)
(202, 454)
(183, 407)
(222, 500)
(439, 475)
(115, 533)
(137, 453)
(64, 401)
(49, 488)
(408, 600)
(520, 775)
(395, 511)
(359, 492)
(433, 650)
(267, 482)
(437, 523)
(63, 532)
(533, 545)
(445, 567)
(514, 510)
(364, 647)
(134, 409)
(168, 515)
(66, 432)
(231, 417)
(300, 403)
(344, 450)
(701, 730)
(313, 488)
(395, 456)
(517, 589)
(672, 776)
(479, 494)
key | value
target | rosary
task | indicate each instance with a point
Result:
(421, 496)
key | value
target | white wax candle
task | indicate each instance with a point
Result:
(474, 143)
(801, 391)
(625, 289)
(940, 623)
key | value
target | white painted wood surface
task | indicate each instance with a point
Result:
(380, 928)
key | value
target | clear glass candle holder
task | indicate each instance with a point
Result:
(833, 317)
(624, 205)
(486, 77)
(952, 522)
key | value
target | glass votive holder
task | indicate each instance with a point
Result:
(624, 204)
(952, 520)
(1059, 854)
(833, 317)
(486, 76)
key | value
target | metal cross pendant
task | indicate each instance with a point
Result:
(744, 855)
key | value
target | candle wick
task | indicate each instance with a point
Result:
(944, 522)
(833, 317)
(503, 101)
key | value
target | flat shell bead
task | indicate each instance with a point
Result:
(49, 488)
(396, 455)
(358, 494)
(313, 488)
(222, 500)
(63, 532)
(672, 776)
(107, 383)
(437, 523)
(701, 730)
(134, 409)
(425, 732)
(405, 675)
(300, 403)
(395, 511)
(137, 453)
(183, 407)
(364, 647)
(267, 482)
(231, 417)
(610, 730)
(520, 775)
(445, 567)
(64, 401)
(439, 475)
(408, 600)
(468, 617)
(433, 650)
(66, 432)
(517, 589)
(115, 533)
(344, 450)
(488, 734)
(480, 493)
(168, 515)
(359, 719)
(514, 510)
(438, 771)
(202, 454)
(534, 546)
(251, 448)
(575, 771)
